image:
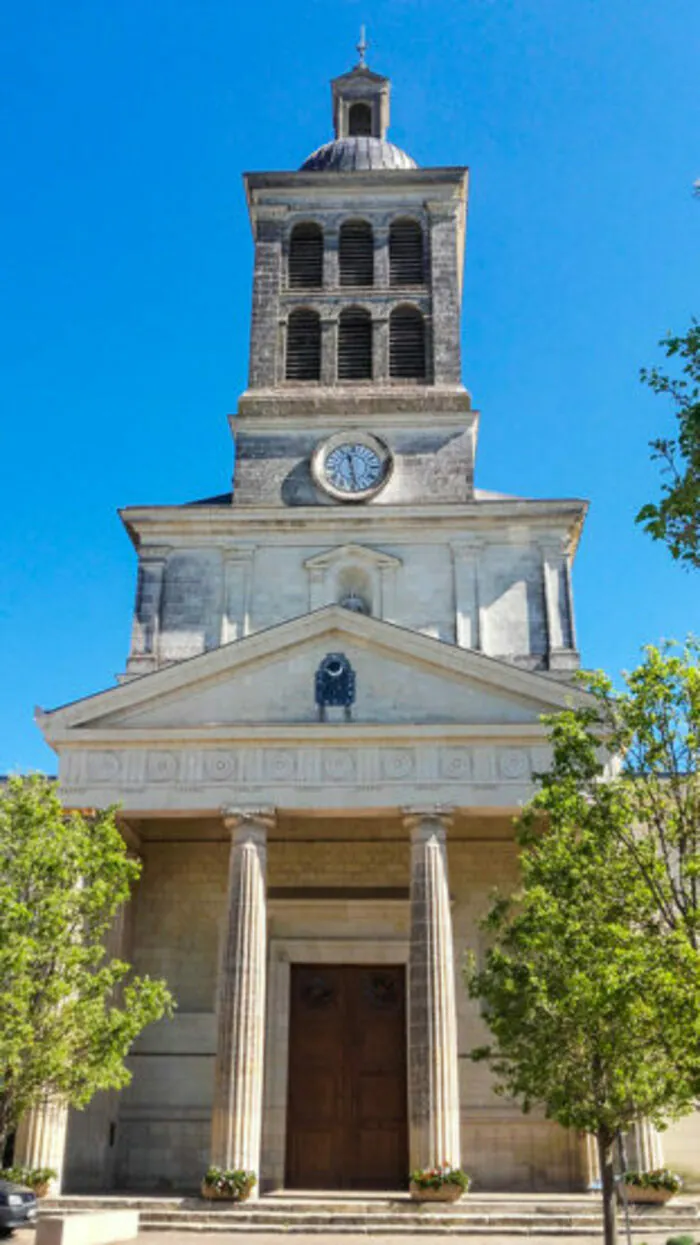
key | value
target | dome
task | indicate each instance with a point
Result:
(350, 155)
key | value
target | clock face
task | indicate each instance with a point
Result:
(353, 468)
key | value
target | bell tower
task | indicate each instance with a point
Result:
(354, 393)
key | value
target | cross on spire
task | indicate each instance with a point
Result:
(362, 48)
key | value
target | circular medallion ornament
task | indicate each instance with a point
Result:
(351, 466)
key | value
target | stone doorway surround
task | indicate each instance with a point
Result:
(283, 952)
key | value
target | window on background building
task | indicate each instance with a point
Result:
(303, 346)
(356, 253)
(355, 345)
(406, 253)
(306, 257)
(360, 121)
(407, 344)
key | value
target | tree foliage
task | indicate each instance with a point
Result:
(68, 1012)
(675, 518)
(592, 981)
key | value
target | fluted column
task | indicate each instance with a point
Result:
(238, 1085)
(432, 1027)
(590, 1161)
(644, 1148)
(41, 1139)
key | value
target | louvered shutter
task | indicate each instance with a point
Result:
(356, 253)
(407, 344)
(306, 257)
(355, 345)
(303, 346)
(406, 253)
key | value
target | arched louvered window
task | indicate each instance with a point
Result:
(360, 121)
(304, 346)
(407, 344)
(306, 257)
(355, 345)
(406, 253)
(356, 253)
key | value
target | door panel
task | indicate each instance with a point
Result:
(347, 1122)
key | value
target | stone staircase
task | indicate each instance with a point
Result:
(484, 1214)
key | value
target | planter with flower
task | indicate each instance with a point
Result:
(654, 1186)
(38, 1179)
(439, 1184)
(233, 1185)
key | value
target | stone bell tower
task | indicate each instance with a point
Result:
(356, 323)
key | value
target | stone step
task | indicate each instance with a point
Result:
(489, 1215)
(497, 1230)
(401, 1207)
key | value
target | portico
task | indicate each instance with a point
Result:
(350, 845)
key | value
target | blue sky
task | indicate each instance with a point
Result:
(125, 303)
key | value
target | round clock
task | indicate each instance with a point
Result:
(351, 466)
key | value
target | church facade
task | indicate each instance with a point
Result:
(329, 716)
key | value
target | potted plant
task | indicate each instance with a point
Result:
(233, 1185)
(38, 1179)
(439, 1184)
(654, 1186)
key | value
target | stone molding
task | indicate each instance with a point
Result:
(195, 778)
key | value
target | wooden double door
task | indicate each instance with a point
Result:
(347, 1118)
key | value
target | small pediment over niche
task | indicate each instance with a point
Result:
(352, 553)
(354, 576)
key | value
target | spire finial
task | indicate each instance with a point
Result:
(362, 48)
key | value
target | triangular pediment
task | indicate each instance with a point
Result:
(402, 678)
(362, 554)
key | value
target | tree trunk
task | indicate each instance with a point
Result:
(607, 1177)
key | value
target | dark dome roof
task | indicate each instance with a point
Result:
(347, 155)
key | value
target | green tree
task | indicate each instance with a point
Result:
(675, 519)
(593, 1004)
(653, 726)
(68, 1013)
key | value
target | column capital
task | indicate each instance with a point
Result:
(425, 819)
(244, 821)
(154, 553)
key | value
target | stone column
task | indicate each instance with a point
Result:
(434, 1112)
(445, 289)
(329, 351)
(238, 1084)
(381, 257)
(237, 575)
(269, 223)
(644, 1147)
(562, 654)
(145, 630)
(465, 563)
(380, 348)
(41, 1139)
(590, 1162)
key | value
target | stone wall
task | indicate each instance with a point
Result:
(210, 596)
